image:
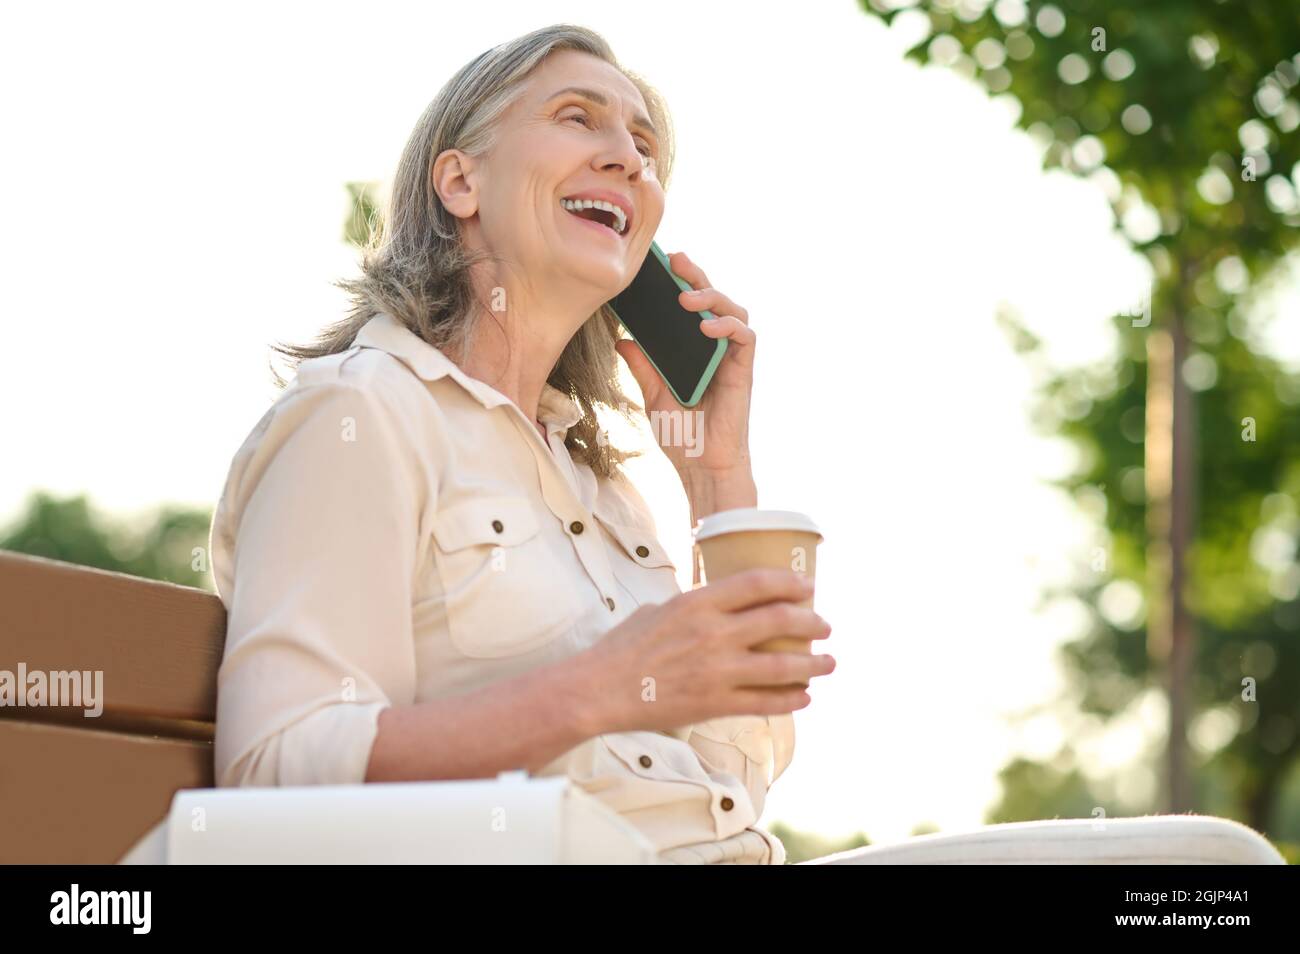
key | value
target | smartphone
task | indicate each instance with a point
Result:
(667, 333)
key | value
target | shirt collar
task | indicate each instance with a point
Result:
(557, 410)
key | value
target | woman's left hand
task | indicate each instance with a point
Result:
(712, 440)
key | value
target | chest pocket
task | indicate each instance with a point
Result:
(501, 594)
(640, 562)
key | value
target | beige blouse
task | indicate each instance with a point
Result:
(357, 547)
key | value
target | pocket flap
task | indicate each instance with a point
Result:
(499, 520)
(638, 542)
(655, 756)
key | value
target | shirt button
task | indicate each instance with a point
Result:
(609, 601)
(645, 761)
(498, 526)
(727, 804)
(643, 551)
(576, 526)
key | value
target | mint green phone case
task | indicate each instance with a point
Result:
(707, 376)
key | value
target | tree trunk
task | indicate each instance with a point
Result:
(1170, 468)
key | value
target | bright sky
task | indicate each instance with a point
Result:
(176, 192)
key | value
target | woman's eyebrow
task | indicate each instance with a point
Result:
(599, 98)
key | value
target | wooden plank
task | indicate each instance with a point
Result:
(74, 796)
(158, 644)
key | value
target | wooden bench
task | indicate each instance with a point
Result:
(83, 790)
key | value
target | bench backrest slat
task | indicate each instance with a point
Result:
(158, 644)
(74, 796)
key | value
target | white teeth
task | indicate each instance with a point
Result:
(620, 218)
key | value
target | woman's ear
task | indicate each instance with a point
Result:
(454, 181)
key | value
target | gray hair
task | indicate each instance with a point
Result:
(415, 267)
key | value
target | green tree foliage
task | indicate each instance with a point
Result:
(169, 544)
(1185, 112)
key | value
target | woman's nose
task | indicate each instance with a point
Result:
(624, 154)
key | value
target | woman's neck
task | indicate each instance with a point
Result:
(515, 348)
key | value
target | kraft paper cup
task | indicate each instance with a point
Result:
(732, 541)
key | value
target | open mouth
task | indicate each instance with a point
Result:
(604, 214)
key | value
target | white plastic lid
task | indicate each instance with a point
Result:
(752, 518)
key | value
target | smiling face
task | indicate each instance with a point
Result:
(568, 192)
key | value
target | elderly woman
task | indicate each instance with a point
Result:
(433, 565)
(432, 562)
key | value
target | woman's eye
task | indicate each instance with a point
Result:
(645, 150)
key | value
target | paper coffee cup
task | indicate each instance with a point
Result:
(732, 541)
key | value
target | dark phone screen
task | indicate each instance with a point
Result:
(666, 331)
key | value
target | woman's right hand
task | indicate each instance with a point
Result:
(689, 659)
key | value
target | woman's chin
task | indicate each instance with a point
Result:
(606, 269)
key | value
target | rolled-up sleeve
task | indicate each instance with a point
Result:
(782, 729)
(756, 749)
(314, 547)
